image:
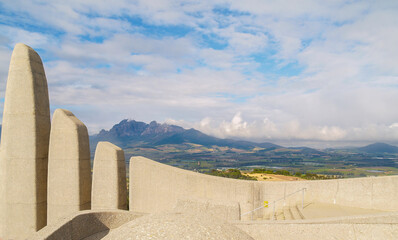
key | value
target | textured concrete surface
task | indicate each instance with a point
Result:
(155, 187)
(369, 193)
(88, 224)
(225, 211)
(330, 231)
(117, 224)
(323, 210)
(373, 218)
(24, 146)
(129, 225)
(204, 218)
(109, 190)
(69, 169)
(177, 226)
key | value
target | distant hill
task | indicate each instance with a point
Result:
(131, 133)
(197, 137)
(379, 148)
(307, 150)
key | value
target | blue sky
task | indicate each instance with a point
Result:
(283, 71)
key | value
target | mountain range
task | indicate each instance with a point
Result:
(131, 133)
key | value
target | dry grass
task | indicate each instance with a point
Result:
(272, 177)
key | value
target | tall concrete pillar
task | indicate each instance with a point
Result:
(69, 169)
(109, 178)
(24, 146)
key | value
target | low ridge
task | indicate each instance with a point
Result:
(379, 148)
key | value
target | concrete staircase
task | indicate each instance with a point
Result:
(286, 213)
(315, 211)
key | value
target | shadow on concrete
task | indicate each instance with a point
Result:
(87, 225)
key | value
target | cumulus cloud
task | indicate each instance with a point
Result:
(293, 131)
(268, 130)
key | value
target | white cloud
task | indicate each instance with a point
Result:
(345, 89)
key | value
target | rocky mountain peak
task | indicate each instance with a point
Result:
(131, 128)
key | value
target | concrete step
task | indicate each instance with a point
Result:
(287, 213)
(295, 210)
(313, 211)
(279, 215)
(266, 216)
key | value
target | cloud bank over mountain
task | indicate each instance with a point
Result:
(302, 70)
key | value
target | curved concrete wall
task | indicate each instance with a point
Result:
(156, 187)
(371, 192)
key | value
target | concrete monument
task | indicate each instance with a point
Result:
(165, 202)
(109, 178)
(24, 146)
(69, 169)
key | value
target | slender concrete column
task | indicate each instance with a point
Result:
(109, 178)
(24, 146)
(69, 170)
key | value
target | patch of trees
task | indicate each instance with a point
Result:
(230, 173)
